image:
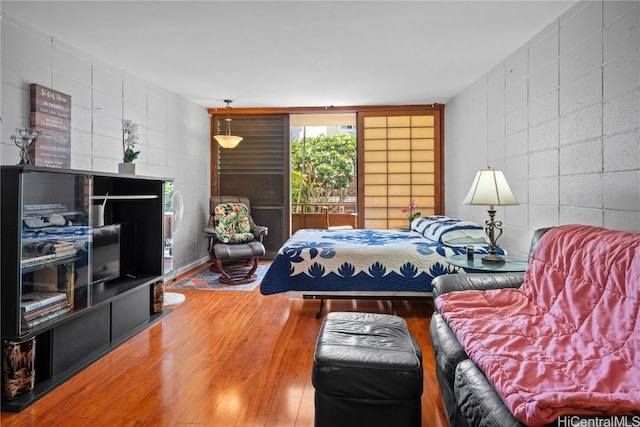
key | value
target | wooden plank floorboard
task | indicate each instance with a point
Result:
(221, 358)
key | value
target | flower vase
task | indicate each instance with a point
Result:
(18, 368)
(127, 168)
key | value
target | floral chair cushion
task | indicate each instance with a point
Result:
(232, 223)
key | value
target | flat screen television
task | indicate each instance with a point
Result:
(105, 253)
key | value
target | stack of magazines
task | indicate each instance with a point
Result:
(39, 307)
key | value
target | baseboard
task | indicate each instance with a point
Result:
(175, 273)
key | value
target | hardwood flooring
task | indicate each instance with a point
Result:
(221, 358)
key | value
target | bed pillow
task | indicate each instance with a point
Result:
(450, 231)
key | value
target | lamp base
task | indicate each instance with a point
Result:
(493, 258)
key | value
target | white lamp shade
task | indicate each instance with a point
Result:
(490, 188)
(227, 141)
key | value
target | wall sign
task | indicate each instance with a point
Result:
(51, 115)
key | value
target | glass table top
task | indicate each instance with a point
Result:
(510, 264)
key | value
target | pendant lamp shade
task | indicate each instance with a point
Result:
(227, 140)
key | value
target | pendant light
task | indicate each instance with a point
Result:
(227, 140)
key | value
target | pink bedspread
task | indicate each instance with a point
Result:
(568, 341)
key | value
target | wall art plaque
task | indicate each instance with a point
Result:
(51, 115)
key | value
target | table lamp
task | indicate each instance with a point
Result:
(490, 188)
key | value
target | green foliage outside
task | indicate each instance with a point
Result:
(321, 167)
(168, 195)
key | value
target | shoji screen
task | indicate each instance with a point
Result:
(400, 162)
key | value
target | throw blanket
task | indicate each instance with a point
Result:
(568, 341)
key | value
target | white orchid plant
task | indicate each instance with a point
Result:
(129, 140)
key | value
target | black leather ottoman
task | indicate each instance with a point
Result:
(367, 371)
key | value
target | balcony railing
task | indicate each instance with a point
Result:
(323, 215)
(333, 207)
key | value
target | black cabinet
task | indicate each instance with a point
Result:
(82, 255)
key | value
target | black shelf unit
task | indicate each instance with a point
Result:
(103, 314)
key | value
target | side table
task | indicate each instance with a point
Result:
(510, 264)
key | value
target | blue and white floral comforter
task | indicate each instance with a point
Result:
(358, 260)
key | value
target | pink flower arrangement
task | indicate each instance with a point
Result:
(410, 211)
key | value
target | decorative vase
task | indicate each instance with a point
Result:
(158, 297)
(127, 168)
(18, 367)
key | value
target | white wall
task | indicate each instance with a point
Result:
(174, 132)
(561, 117)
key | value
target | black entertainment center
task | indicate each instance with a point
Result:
(81, 285)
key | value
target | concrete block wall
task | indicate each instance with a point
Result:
(561, 117)
(174, 132)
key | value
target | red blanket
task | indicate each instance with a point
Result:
(568, 341)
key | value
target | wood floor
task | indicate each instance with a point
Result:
(221, 358)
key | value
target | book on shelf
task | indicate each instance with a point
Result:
(35, 300)
(64, 253)
(33, 249)
(62, 245)
(43, 311)
(40, 310)
(43, 206)
(66, 280)
(39, 320)
(33, 260)
(39, 252)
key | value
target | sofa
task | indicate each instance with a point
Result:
(560, 340)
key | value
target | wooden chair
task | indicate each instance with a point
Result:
(347, 221)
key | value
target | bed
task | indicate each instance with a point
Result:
(370, 264)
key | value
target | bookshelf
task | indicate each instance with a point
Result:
(56, 302)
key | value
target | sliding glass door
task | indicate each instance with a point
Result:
(323, 170)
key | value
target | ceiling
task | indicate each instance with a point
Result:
(297, 53)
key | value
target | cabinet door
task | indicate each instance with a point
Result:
(129, 312)
(54, 241)
(80, 338)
